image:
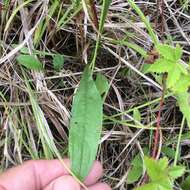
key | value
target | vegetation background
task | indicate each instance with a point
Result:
(44, 47)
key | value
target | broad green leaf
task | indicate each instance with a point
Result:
(153, 169)
(183, 100)
(165, 183)
(134, 174)
(101, 83)
(137, 167)
(160, 66)
(149, 186)
(138, 161)
(167, 51)
(186, 183)
(85, 126)
(183, 84)
(58, 62)
(30, 62)
(163, 163)
(176, 171)
(137, 115)
(173, 76)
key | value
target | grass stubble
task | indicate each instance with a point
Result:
(119, 51)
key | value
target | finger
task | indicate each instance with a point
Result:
(100, 186)
(33, 175)
(63, 183)
(95, 174)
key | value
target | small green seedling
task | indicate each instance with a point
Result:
(30, 62)
(161, 175)
(58, 62)
(178, 76)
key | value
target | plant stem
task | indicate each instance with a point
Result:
(178, 141)
(156, 136)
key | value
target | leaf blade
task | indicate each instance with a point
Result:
(85, 126)
(30, 62)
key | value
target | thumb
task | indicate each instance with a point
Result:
(63, 183)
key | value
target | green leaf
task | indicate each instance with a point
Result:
(30, 62)
(182, 85)
(137, 115)
(163, 163)
(183, 100)
(182, 68)
(149, 186)
(173, 76)
(153, 169)
(58, 62)
(101, 83)
(85, 126)
(167, 51)
(186, 183)
(165, 183)
(178, 52)
(134, 174)
(105, 8)
(160, 66)
(176, 171)
(170, 152)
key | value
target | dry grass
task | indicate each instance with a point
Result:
(74, 37)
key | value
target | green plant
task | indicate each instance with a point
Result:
(178, 77)
(85, 125)
(30, 62)
(58, 62)
(87, 112)
(161, 175)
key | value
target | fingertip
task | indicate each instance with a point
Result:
(100, 186)
(63, 183)
(95, 174)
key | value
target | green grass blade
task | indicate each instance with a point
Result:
(146, 22)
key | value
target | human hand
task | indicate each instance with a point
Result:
(48, 175)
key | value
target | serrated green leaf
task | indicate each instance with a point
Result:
(167, 51)
(160, 66)
(153, 169)
(137, 115)
(134, 174)
(30, 62)
(173, 76)
(85, 126)
(149, 186)
(58, 62)
(176, 171)
(163, 163)
(101, 83)
(182, 85)
(183, 100)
